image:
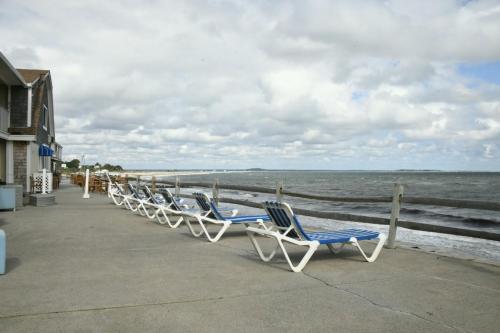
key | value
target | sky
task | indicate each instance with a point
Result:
(317, 84)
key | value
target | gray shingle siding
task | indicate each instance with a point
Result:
(19, 106)
(43, 134)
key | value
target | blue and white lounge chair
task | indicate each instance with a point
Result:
(172, 211)
(149, 201)
(287, 228)
(129, 200)
(116, 193)
(211, 214)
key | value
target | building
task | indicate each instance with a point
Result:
(27, 133)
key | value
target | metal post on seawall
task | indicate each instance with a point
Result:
(397, 197)
(279, 191)
(215, 191)
(86, 193)
(44, 181)
(177, 187)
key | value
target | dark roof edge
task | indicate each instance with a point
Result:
(13, 70)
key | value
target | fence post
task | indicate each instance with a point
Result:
(86, 194)
(397, 197)
(138, 181)
(215, 191)
(153, 184)
(279, 191)
(44, 181)
(177, 187)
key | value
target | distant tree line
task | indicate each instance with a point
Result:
(74, 164)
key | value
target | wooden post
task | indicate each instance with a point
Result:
(138, 181)
(153, 184)
(397, 197)
(177, 187)
(279, 191)
(215, 191)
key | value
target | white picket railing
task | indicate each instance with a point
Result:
(40, 182)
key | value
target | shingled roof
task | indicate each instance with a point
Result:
(31, 75)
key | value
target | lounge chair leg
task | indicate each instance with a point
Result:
(116, 201)
(191, 229)
(140, 209)
(257, 248)
(205, 231)
(166, 219)
(127, 204)
(148, 215)
(375, 252)
(334, 250)
(312, 248)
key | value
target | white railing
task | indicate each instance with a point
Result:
(4, 120)
(42, 184)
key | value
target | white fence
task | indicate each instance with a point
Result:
(39, 182)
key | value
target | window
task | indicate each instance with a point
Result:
(45, 116)
(44, 163)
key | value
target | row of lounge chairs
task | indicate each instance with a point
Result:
(279, 223)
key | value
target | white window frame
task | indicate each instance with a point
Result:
(45, 114)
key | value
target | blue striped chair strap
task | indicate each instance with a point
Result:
(341, 236)
(249, 218)
(279, 217)
(201, 201)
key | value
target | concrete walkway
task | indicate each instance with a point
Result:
(89, 266)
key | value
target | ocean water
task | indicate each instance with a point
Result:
(483, 186)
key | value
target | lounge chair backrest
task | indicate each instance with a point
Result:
(149, 195)
(207, 205)
(118, 188)
(283, 218)
(133, 191)
(169, 199)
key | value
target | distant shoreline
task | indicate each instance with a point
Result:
(186, 172)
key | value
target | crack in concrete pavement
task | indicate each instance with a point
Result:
(131, 306)
(385, 307)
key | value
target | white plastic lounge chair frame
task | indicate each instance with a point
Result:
(120, 198)
(147, 203)
(287, 229)
(134, 201)
(213, 216)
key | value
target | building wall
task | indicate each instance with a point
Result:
(19, 105)
(35, 159)
(20, 149)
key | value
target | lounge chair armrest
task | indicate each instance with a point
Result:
(276, 234)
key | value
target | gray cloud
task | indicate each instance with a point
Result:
(317, 84)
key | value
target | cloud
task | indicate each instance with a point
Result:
(283, 84)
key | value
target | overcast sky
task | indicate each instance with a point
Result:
(271, 84)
